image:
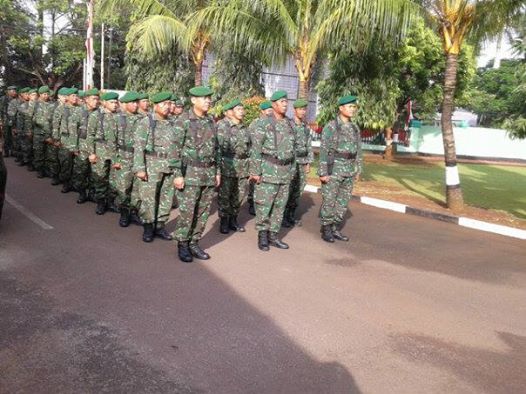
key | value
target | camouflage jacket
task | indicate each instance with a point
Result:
(4, 102)
(42, 118)
(78, 131)
(57, 119)
(341, 145)
(272, 152)
(126, 135)
(303, 152)
(21, 117)
(67, 139)
(234, 143)
(12, 110)
(156, 146)
(103, 130)
(200, 154)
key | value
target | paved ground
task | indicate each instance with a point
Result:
(408, 306)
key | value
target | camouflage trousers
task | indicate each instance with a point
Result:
(157, 194)
(270, 200)
(297, 185)
(194, 210)
(52, 163)
(231, 195)
(65, 160)
(8, 139)
(99, 179)
(80, 173)
(16, 144)
(336, 195)
(25, 142)
(250, 196)
(39, 152)
(121, 183)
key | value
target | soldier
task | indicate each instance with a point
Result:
(42, 118)
(265, 109)
(304, 157)
(122, 176)
(9, 108)
(178, 107)
(67, 140)
(271, 167)
(78, 142)
(198, 177)
(234, 143)
(156, 156)
(52, 161)
(340, 165)
(27, 139)
(21, 117)
(102, 145)
(144, 104)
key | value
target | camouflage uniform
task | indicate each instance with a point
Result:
(52, 163)
(156, 152)
(21, 143)
(77, 143)
(26, 140)
(122, 180)
(234, 143)
(340, 145)
(251, 134)
(65, 153)
(10, 123)
(201, 157)
(42, 118)
(272, 158)
(304, 156)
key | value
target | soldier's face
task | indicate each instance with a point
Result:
(73, 99)
(44, 96)
(92, 102)
(33, 96)
(132, 107)
(349, 110)
(300, 112)
(238, 112)
(12, 93)
(178, 110)
(111, 105)
(62, 99)
(267, 111)
(144, 105)
(202, 104)
(163, 109)
(280, 106)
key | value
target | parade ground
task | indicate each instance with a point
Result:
(409, 305)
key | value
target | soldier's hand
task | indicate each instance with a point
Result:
(255, 178)
(306, 167)
(48, 141)
(92, 158)
(179, 183)
(142, 175)
(325, 179)
(218, 180)
(117, 166)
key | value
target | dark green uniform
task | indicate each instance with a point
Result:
(10, 123)
(67, 147)
(78, 145)
(42, 120)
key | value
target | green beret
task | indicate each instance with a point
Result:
(72, 91)
(12, 87)
(25, 90)
(91, 92)
(82, 93)
(201, 91)
(278, 95)
(129, 97)
(44, 89)
(233, 104)
(265, 105)
(347, 99)
(143, 96)
(300, 103)
(62, 91)
(30, 91)
(160, 97)
(109, 96)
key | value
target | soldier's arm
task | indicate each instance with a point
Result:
(176, 149)
(140, 139)
(57, 115)
(359, 153)
(91, 131)
(258, 138)
(218, 155)
(326, 136)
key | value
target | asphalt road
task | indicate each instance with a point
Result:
(410, 305)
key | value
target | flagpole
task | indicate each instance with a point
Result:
(102, 39)
(89, 48)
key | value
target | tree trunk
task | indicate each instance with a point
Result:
(389, 147)
(198, 77)
(454, 198)
(303, 92)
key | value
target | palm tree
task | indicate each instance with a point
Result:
(303, 29)
(456, 20)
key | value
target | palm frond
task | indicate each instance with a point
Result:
(156, 35)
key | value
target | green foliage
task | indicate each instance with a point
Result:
(252, 108)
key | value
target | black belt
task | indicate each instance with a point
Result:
(232, 155)
(200, 164)
(302, 154)
(345, 155)
(159, 155)
(275, 160)
(126, 149)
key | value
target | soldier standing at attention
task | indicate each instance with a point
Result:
(340, 165)
(42, 118)
(304, 157)
(8, 114)
(78, 125)
(156, 156)
(200, 174)
(52, 161)
(67, 141)
(144, 104)
(102, 144)
(122, 176)
(178, 107)
(265, 109)
(27, 139)
(21, 117)
(234, 143)
(271, 167)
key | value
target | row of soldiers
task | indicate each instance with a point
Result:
(134, 153)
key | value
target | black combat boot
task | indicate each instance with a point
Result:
(134, 217)
(124, 220)
(83, 197)
(251, 208)
(263, 241)
(223, 226)
(101, 207)
(160, 232)
(66, 188)
(184, 252)
(273, 240)
(55, 181)
(147, 235)
(326, 233)
(197, 252)
(337, 234)
(234, 225)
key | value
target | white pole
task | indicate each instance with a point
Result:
(89, 47)
(102, 57)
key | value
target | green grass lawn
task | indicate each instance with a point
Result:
(484, 186)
